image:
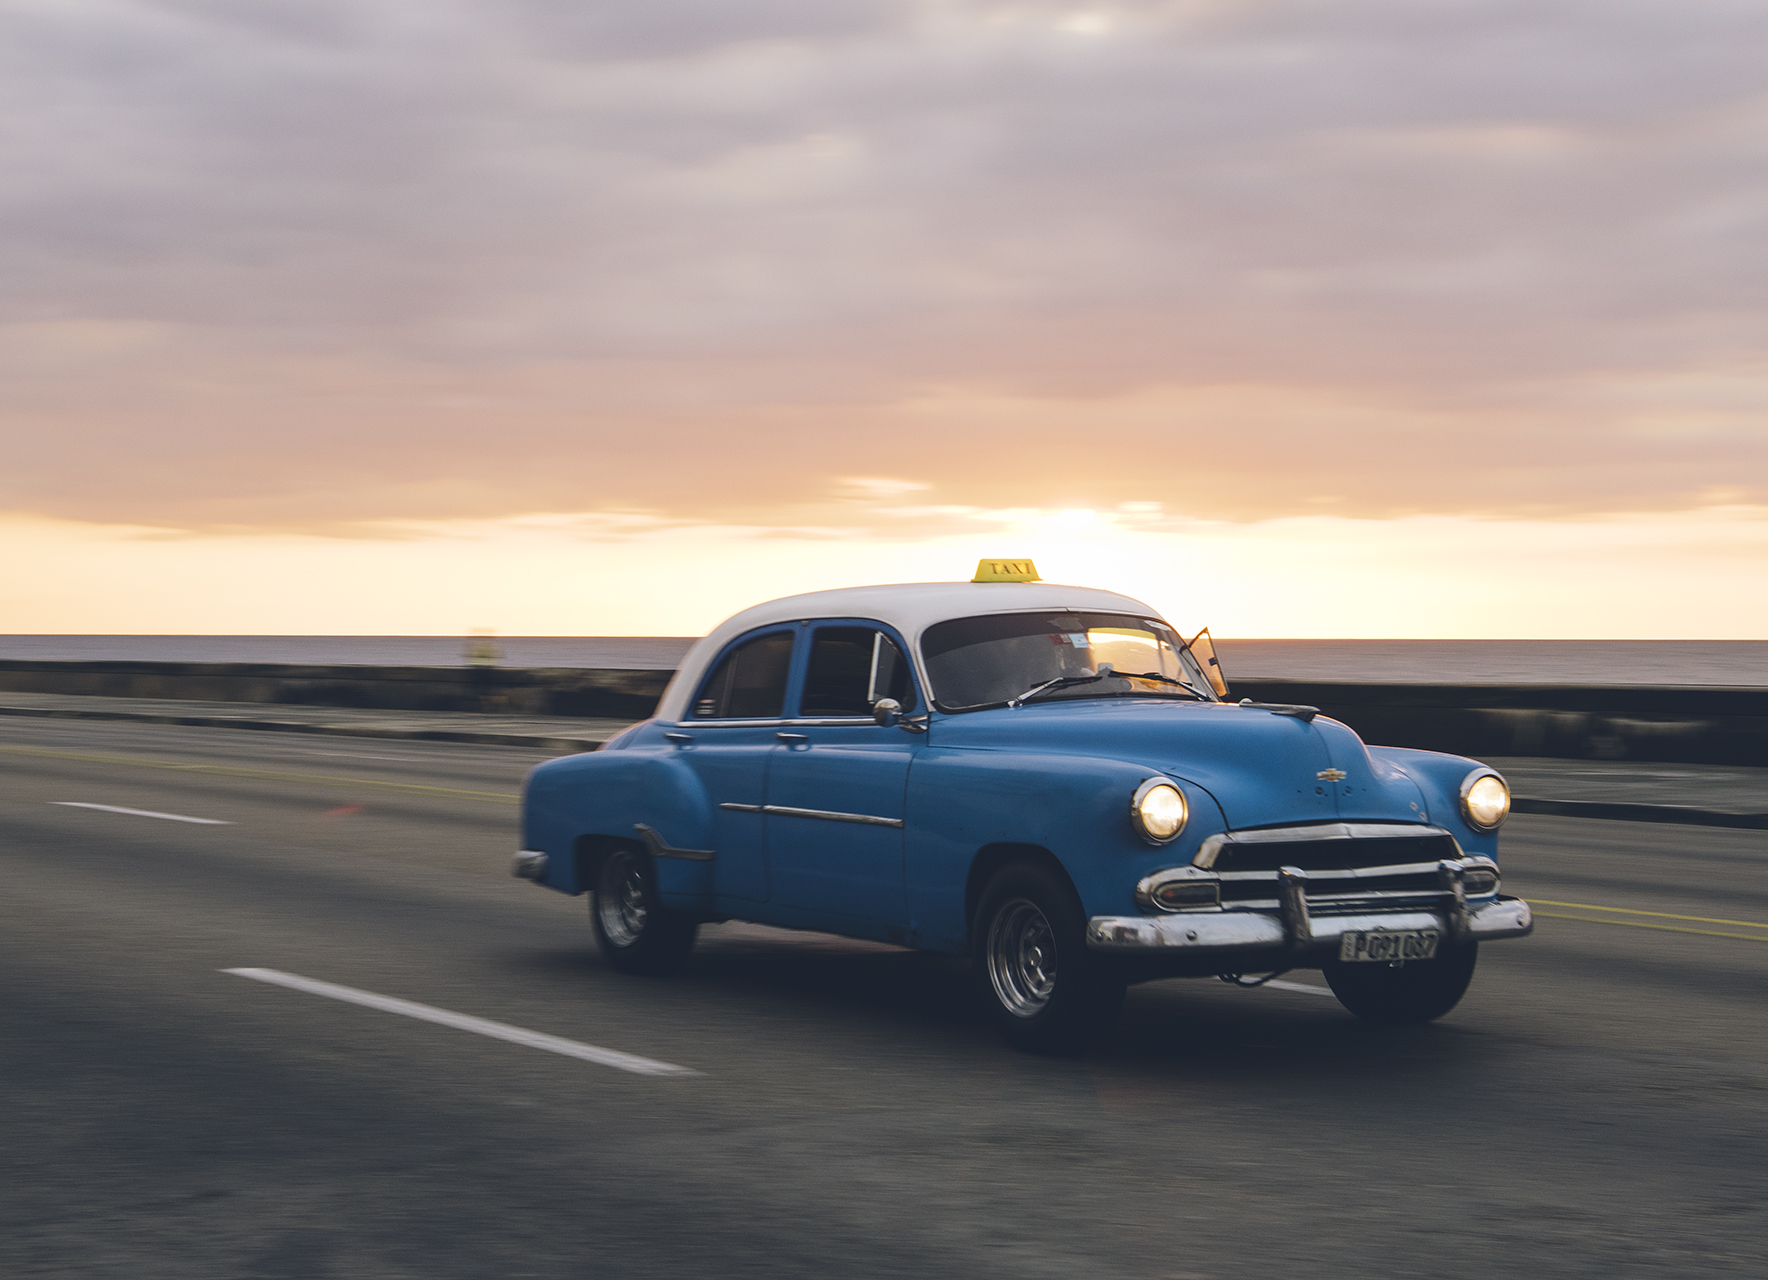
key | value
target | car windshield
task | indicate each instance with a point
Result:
(1000, 658)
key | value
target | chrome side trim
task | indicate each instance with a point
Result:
(1234, 931)
(658, 849)
(529, 865)
(825, 815)
(769, 722)
(1206, 855)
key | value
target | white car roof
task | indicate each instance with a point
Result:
(910, 607)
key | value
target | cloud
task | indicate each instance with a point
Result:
(302, 265)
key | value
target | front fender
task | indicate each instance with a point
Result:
(1439, 777)
(608, 794)
(1077, 807)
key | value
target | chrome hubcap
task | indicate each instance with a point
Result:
(1022, 958)
(620, 898)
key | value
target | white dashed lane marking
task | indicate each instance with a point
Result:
(1298, 986)
(142, 813)
(464, 1022)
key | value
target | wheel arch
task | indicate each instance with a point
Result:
(590, 851)
(990, 858)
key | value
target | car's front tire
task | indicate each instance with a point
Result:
(635, 932)
(1043, 990)
(1418, 991)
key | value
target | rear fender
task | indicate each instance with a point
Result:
(576, 808)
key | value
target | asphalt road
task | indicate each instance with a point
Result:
(1596, 1106)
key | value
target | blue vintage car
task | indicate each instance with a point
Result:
(1048, 779)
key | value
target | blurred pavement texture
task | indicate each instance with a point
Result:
(1703, 795)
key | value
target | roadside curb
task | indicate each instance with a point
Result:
(1662, 813)
(1670, 813)
(549, 743)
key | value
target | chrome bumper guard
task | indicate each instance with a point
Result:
(1228, 932)
(529, 865)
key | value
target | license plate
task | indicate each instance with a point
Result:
(1384, 946)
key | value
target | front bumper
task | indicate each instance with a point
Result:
(1230, 933)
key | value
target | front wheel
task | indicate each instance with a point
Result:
(1043, 990)
(635, 933)
(1415, 992)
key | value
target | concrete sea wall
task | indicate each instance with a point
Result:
(1694, 724)
(560, 691)
(1687, 724)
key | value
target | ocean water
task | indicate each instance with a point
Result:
(1650, 662)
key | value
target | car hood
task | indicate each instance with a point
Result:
(1262, 768)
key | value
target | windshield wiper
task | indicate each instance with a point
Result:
(1186, 685)
(1060, 682)
(1106, 672)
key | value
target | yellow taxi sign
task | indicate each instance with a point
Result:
(1006, 571)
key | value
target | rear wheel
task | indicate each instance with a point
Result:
(1044, 991)
(1415, 992)
(637, 934)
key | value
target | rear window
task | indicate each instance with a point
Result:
(749, 682)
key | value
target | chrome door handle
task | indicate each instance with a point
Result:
(789, 738)
(680, 739)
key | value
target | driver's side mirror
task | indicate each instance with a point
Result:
(1203, 649)
(887, 711)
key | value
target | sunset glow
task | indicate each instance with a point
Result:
(1660, 577)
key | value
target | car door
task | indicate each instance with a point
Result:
(727, 739)
(836, 788)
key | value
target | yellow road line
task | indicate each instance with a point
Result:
(1669, 928)
(231, 771)
(1629, 911)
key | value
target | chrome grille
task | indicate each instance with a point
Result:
(1334, 855)
(1340, 889)
(1324, 868)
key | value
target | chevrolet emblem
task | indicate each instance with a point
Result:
(1331, 775)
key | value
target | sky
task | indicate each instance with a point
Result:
(1292, 317)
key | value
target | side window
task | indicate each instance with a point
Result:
(749, 683)
(850, 669)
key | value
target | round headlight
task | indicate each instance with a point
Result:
(1485, 800)
(1158, 811)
